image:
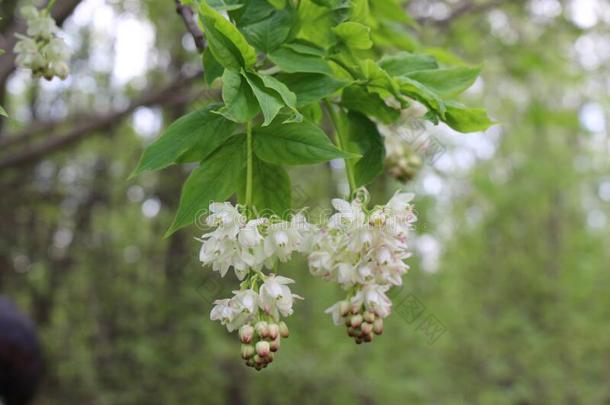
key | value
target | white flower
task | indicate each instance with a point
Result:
(56, 50)
(374, 299)
(275, 296)
(282, 239)
(29, 12)
(226, 312)
(42, 26)
(335, 312)
(349, 214)
(226, 218)
(249, 236)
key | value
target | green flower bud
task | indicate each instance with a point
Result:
(378, 326)
(284, 332)
(247, 351)
(344, 308)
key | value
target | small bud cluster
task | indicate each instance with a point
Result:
(41, 51)
(260, 342)
(364, 251)
(361, 324)
(401, 161)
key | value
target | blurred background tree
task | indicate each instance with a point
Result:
(507, 298)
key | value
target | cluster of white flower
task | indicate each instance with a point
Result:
(257, 315)
(250, 245)
(364, 251)
(42, 50)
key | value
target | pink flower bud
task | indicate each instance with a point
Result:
(274, 345)
(356, 321)
(273, 330)
(262, 329)
(262, 348)
(367, 328)
(246, 333)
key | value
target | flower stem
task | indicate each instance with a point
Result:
(249, 164)
(341, 144)
(49, 6)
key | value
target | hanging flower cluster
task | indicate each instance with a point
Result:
(248, 246)
(402, 160)
(364, 251)
(42, 51)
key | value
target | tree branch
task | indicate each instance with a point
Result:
(85, 126)
(191, 24)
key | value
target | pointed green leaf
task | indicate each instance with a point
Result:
(295, 144)
(218, 177)
(465, 119)
(447, 82)
(354, 35)
(291, 61)
(211, 68)
(357, 98)
(310, 87)
(363, 137)
(403, 63)
(421, 93)
(3, 112)
(240, 103)
(270, 101)
(271, 32)
(227, 44)
(201, 130)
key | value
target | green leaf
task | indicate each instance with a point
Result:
(465, 119)
(295, 144)
(363, 137)
(447, 82)
(226, 43)
(240, 103)
(279, 4)
(3, 112)
(271, 32)
(403, 63)
(357, 98)
(421, 93)
(310, 87)
(216, 179)
(291, 61)
(200, 130)
(271, 192)
(270, 101)
(211, 68)
(354, 35)
(251, 12)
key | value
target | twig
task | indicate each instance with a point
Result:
(191, 24)
(86, 126)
